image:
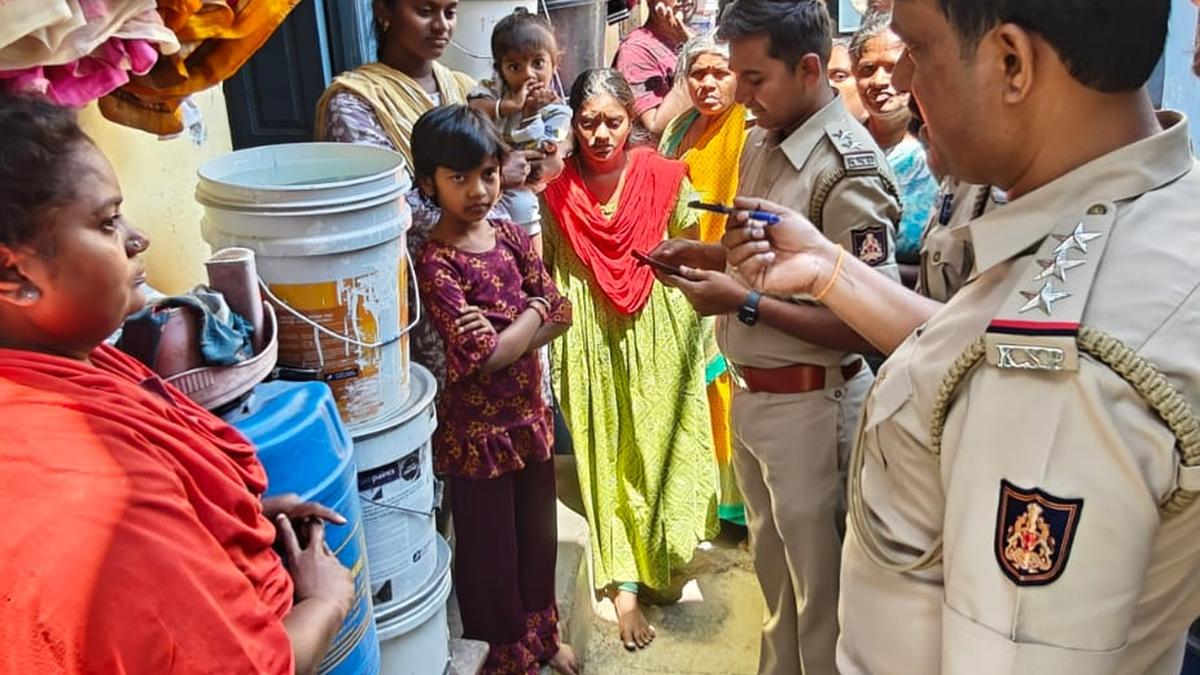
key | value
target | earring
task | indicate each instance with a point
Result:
(385, 25)
(29, 293)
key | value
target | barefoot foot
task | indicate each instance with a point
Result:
(565, 661)
(636, 631)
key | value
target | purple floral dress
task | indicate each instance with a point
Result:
(489, 424)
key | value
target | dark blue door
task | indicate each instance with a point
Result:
(273, 98)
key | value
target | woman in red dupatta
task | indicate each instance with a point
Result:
(135, 540)
(629, 374)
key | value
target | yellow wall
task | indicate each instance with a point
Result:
(159, 182)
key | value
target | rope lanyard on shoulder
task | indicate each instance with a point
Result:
(1167, 402)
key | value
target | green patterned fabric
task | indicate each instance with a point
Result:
(632, 391)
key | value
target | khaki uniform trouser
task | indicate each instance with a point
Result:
(790, 455)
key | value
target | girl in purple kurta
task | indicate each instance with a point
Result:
(494, 305)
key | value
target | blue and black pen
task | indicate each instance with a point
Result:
(761, 216)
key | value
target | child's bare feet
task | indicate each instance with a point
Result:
(636, 631)
(565, 661)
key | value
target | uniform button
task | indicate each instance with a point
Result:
(1098, 210)
(837, 394)
(937, 256)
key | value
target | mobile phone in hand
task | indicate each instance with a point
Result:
(657, 264)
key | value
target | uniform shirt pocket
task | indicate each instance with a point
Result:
(892, 390)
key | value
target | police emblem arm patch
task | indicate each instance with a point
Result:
(1034, 534)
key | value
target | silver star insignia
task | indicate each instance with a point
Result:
(1058, 267)
(846, 139)
(1043, 299)
(1078, 240)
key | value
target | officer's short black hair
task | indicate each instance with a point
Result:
(1108, 45)
(794, 27)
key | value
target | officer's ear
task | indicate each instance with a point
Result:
(810, 70)
(1016, 51)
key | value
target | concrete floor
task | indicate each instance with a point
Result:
(713, 629)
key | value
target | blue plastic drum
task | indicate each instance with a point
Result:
(306, 450)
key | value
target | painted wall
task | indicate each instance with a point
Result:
(158, 179)
(1181, 87)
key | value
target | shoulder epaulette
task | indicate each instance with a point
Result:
(1037, 326)
(857, 159)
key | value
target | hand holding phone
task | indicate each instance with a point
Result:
(659, 265)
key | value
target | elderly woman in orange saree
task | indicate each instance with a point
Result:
(708, 139)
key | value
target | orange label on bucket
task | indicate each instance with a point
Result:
(362, 377)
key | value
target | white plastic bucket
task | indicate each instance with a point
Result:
(414, 638)
(396, 488)
(327, 223)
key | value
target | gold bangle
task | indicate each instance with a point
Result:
(837, 269)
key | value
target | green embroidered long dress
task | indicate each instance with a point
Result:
(631, 389)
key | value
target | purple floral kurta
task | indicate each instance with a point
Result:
(488, 424)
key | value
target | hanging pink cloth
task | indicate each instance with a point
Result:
(89, 24)
(78, 83)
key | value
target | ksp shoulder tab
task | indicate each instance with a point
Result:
(1038, 329)
(1038, 325)
(857, 160)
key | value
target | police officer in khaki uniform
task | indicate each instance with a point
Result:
(946, 255)
(799, 380)
(1024, 493)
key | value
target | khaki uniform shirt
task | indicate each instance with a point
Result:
(1122, 582)
(860, 212)
(946, 255)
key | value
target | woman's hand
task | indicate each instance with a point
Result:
(673, 20)
(316, 572)
(516, 168)
(294, 508)
(791, 257)
(690, 253)
(472, 320)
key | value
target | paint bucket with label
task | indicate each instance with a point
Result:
(414, 636)
(396, 488)
(327, 222)
(306, 451)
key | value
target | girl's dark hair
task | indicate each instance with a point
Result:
(37, 142)
(522, 33)
(597, 81)
(455, 137)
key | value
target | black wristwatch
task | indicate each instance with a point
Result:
(748, 314)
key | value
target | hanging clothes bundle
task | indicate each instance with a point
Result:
(75, 51)
(217, 38)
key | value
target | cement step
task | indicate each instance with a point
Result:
(467, 656)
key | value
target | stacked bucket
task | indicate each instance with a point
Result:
(327, 223)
